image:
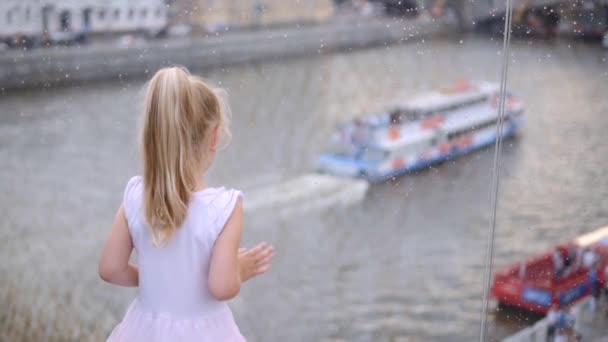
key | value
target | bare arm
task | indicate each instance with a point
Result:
(114, 266)
(224, 276)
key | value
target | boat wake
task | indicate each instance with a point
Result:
(305, 193)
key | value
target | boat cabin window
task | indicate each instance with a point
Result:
(475, 101)
(460, 133)
(472, 129)
(399, 116)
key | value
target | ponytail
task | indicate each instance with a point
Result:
(180, 113)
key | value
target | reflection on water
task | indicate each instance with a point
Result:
(406, 264)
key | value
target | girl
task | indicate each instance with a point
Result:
(186, 234)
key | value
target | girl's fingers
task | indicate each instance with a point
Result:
(257, 249)
(260, 257)
(262, 269)
(261, 251)
(265, 258)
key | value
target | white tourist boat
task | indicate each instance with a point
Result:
(427, 129)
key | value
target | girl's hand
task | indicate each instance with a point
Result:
(254, 261)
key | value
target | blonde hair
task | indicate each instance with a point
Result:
(181, 114)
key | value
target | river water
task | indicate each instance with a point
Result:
(406, 264)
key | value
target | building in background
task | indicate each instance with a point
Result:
(37, 18)
(214, 15)
(181, 11)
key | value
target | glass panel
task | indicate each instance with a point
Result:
(550, 188)
(363, 137)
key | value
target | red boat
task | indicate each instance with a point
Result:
(540, 281)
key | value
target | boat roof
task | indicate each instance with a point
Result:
(459, 92)
(462, 91)
(597, 236)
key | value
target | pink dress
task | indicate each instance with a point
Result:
(174, 303)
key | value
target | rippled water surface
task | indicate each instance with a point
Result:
(406, 264)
